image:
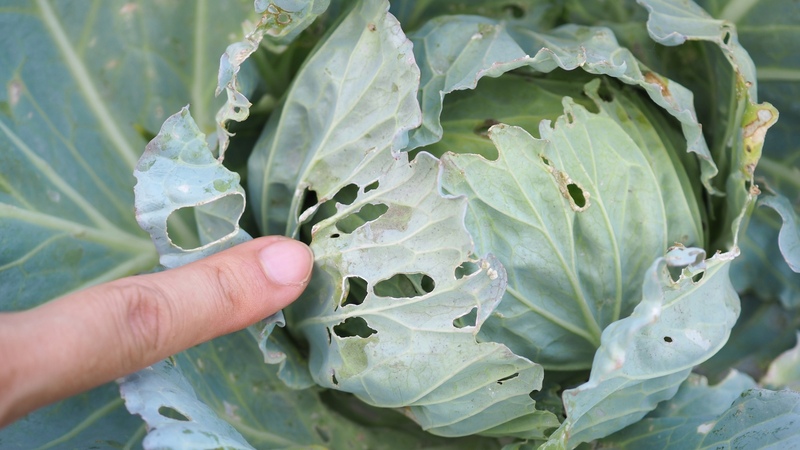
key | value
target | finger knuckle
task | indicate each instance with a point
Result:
(231, 285)
(144, 321)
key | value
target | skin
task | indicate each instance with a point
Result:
(96, 335)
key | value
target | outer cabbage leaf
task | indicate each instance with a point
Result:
(176, 171)
(683, 421)
(757, 418)
(572, 268)
(456, 51)
(364, 76)
(218, 380)
(95, 419)
(644, 357)
(356, 93)
(85, 85)
(175, 416)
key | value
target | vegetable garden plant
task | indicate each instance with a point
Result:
(545, 223)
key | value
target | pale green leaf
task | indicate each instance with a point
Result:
(644, 357)
(231, 400)
(175, 416)
(177, 171)
(355, 96)
(572, 267)
(784, 372)
(757, 418)
(677, 423)
(412, 351)
(456, 51)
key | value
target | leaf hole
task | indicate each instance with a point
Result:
(570, 118)
(372, 186)
(466, 269)
(172, 413)
(510, 377)
(667, 339)
(726, 37)
(469, 319)
(335, 235)
(605, 93)
(514, 10)
(545, 161)
(333, 379)
(354, 326)
(577, 195)
(405, 285)
(213, 221)
(347, 195)
(330, 337)
(236, 109)
(310, 200)
(367, 213)
(355, 291)
(697, 277)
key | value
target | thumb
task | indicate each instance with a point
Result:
(96, 335)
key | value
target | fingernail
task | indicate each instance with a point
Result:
(287, 262)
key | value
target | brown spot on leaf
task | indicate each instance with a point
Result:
(653, 78)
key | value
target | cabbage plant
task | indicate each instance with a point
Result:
(536, 224)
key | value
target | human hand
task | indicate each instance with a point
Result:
(96, 335)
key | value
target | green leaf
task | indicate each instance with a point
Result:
(678, 422)
(178, 171)
(411, 351)
(78, 106)
(644, 357)
(456, 51)
(228, 399)
(175, 416)
(84, 86)
(355, 96)
(757, 418)
(227, 376)
(572, 269)
(94, 419)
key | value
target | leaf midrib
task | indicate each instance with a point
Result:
(86, 85)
